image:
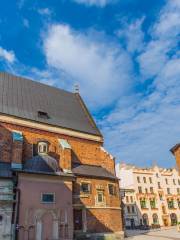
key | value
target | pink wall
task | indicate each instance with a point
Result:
(32, 210)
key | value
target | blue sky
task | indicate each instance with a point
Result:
(123, 54)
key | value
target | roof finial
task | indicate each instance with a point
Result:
(76, 88)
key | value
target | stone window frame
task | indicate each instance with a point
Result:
(140, 189)
(150, 180)
(144, 180)
(100, 191)
(114, 189)
(153, 203)
(170, 203)
(54, 197)
(143, 203)
(174, 181)
(90, 187)
(44, 147)
(128, 209)
(168, 191)
(133, 209)
(166, 180)
(151, 189)
(138, 179)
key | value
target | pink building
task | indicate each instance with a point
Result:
(44, 212)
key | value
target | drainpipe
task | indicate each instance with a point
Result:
(16, 209)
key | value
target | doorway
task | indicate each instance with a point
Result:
(132, 223)
(47, 227)
(78, 225)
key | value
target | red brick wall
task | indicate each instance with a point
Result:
(89, 199)
(5, 144)
(177, 156)
(83, 151)
(104, 220)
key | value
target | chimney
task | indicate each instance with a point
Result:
(17, 148)
(76, 88)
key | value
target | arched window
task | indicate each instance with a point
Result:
(155, 218)
(145, 219)
(42, 147)
(173, 219)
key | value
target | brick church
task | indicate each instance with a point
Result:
(56, 179)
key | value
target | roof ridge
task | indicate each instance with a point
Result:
(35, 81)
(25, 97)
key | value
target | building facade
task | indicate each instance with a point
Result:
(6, 201)
(63, 179)
(152, 196)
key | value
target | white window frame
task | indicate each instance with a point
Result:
(103, 203)
(42, 145)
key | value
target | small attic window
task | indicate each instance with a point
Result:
(43, 115)
(42, 148)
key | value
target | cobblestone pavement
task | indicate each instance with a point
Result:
(163, 234)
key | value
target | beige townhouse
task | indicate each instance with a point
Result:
(152, 195)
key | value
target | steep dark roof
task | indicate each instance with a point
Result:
(5, 170)
(41, 163)
(23, 98)
(92, 171)
(173, 149)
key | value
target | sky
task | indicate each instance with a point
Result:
(123, 54)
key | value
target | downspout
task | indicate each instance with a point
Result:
(16, 209)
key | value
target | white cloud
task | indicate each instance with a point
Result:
(99, 3)
(45, 11)
(26, 23)
(133, 35)
(164, 41)
(6, 55)
(146, 125)
(143, 125)
(102, 70)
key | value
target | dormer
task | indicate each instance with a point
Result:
(43, 147)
